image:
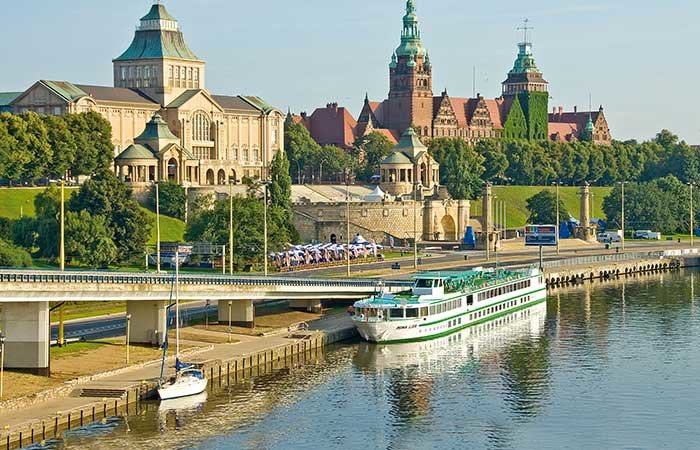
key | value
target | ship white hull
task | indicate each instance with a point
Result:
(183, 386)
(420, 329)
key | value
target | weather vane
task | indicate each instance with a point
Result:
(525, 28)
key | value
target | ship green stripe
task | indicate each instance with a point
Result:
(483, 307)
(470, 324)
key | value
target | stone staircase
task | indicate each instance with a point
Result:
(102, 393)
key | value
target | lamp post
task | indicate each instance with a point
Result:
(2, 362)
(347, 221)
(692, 231)
(187, 198)
(415, 227)
(128, 333)
(62, 249)
(230, 226)
(157, 228)
(558, 215)
(265, 224)
(206, 314)
(622, 203)
(230, 304)
(298, 171)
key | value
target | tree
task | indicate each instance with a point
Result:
(15, 151)
(93, 140)
(105, 195)
(13, 256)
(38, 146)
(171, 199)
(461, 167)
(495, 160)
(371, 151)
(334, 159)
(543, 208)
(280, 195)
(300, 147)
(62, 143)
(89, 240)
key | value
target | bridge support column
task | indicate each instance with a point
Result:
(148, 319)
(242, 313)
(26, 327)
(314, 306)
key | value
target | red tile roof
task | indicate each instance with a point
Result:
(496, 111)
(459, 105)
(333, 125)
(579, 118)
(563, 129)
(392, 135)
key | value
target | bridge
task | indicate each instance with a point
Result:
(25, 297)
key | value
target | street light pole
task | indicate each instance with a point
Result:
(63, 227)
(622, 184)
(157, 228)
(230, 304)
(2, 362)
(415, 227)
(265, 225)
(128, 333)
(347, 217)
(558, 218)
(230, 227)
(692, 231)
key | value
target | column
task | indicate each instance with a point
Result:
(148, 321)
(26, 327)
(242, 313)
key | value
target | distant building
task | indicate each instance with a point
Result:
(520, 112)
(165, 124)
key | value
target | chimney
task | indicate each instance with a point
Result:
(575, 109)
(561, 112)
(303, 114)
(554, 110)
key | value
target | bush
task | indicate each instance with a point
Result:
(13, 256)
(172, 199)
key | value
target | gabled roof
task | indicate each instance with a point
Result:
(392, 135)
(234, 102)
(578, 119)
(115, 94)
(497, 112)
(6, 98)
(64, 89)
(156, 129)
(410, 144)
(564, 130)
(396, 157)
(333, 125)
(185, 152)
(258, 103)
(136, 151)
(459, 106)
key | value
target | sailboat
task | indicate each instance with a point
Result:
(188, 379)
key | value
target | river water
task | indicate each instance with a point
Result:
(613, 365)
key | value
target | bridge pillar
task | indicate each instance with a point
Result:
(26, 327)
(242, 313)
(148, 319)
(314, 306)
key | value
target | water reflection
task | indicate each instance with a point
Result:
(604, 365)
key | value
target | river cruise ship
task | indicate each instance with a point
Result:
(441, 303)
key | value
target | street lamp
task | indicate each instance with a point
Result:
(62, 249)
(622, 204)
(157, 226)
(298, 171)
(692, 231)
(231, 182)
(558, 183)
(230, 304)
(264, 185)
(206, 314)
(415, 227)
(347, 217)
(128, 333)
(2, 362)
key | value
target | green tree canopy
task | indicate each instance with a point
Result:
(89, 240)
(543, 208)
(461, 167)
(13, 256)
(370, 151)
(171, 198)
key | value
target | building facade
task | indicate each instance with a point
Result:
(159, 81)
(521, 111)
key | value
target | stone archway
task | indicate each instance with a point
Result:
(449, 228)
(172, 169)
(221, 176)
(210, 177)
(234, 176)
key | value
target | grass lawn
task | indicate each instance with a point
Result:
(80, 310)
(14, 200)
(171, 230)
(516, 201)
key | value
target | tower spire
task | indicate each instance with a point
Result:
(525, 28)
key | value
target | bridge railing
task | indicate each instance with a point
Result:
(31, 276)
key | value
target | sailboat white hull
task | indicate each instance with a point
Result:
(182, 387)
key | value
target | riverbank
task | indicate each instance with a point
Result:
(88, 399)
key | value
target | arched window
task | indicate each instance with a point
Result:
(246, 155)
(234, 153)
(201, 127)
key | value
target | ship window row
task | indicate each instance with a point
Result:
(446, 306)
(495, 292)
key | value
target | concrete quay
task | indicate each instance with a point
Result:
(124, 392)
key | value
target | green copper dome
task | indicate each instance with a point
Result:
(158, 37)
(410, 36)
(156, 129)
(590, 128)
(525, 62)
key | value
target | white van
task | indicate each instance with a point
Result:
(610, 237)
(647, 234)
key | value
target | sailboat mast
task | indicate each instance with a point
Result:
(177, 303)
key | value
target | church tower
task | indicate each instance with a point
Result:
(526, 86)
(410, 100)
(158, 62)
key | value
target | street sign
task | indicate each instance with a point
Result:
(541, 235)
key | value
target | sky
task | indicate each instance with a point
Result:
(637, 58)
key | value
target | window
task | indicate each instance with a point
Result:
(131, 72)
(196, 74)
(396, 313)
(275, 136)
(470, 300)
(246, 155)
(189, 73)
(424, 311)
(138, 72)
(177, 72)
(201, 127)
(170, 72)
(124, 73)
(234, 153)
(411, 312)
(57, 111)
(147, 72)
